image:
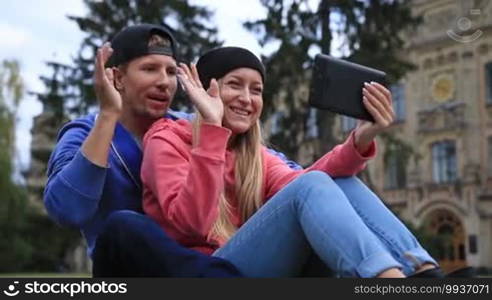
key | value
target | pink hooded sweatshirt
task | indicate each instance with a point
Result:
(182, 183)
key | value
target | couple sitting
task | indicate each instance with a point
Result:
(217, 202)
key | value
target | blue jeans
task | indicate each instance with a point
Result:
(132, 245)
(341, 220)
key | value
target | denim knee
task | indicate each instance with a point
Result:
(314, 185)
(314, 181)
(314, 178)
(348, 179)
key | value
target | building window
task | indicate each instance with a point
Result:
(444, 162)
(348, 123)
(489, 162)
(312, 127)
(488, 82)
(398, 95)
(395, 171)
(276, 122)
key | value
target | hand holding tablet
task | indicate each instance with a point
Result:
(337, 85)
(353, 90)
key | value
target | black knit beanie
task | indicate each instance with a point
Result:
(218, 62)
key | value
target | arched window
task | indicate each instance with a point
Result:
(449, 239)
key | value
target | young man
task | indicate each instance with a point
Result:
(94, 171)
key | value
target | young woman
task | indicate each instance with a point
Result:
(212, 185)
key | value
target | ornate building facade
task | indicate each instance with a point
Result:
(444, 113)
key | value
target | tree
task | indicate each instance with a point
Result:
(13, 247)
(371, 38)
(21, 245)
(11, 93)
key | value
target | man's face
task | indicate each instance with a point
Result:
(147, 85)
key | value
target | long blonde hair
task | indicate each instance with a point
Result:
(248, 179)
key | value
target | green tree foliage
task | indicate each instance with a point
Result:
(296, 28)
(60, 91)
(13, 200)
(22, 246)
(70, 86)
(11, 92)
(373, 32)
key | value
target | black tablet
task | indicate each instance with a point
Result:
(336, 85)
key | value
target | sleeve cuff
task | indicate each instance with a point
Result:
(368, 154)
(84, 177)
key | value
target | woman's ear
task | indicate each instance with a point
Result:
(118, 78)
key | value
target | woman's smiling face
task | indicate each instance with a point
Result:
(241, 91)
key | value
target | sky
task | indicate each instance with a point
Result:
(36, 31)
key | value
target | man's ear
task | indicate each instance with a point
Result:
(118, 78)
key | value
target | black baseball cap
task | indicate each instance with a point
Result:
(133, 41)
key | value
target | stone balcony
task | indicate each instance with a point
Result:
(443, 117)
